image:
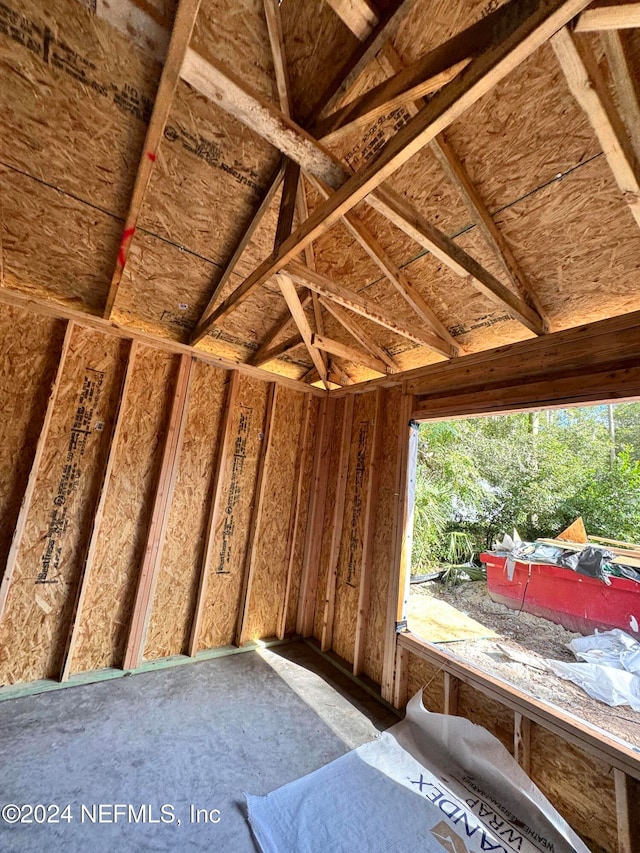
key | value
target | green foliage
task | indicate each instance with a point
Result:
(536, 472)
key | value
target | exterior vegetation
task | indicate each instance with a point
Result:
(536, 472)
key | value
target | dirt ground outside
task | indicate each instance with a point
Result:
(532, 635)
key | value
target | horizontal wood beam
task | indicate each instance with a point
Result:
(618, 17)
(591, 739)
(365, 307)
(592, 93)
(527, 34)
(349, 353)
(356, 331)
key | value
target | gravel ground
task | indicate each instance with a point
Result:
(538, 637)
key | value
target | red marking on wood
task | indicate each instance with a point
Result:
(122, 254)
(151, 156)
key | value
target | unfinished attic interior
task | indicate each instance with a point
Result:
(245, 245)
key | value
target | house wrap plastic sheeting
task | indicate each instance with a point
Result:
(431, 783)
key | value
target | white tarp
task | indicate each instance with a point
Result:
(430, 783)
(611, 668)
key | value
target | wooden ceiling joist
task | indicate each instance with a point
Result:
(591, 92)
(619, 17)
(365, 307)
(184, 23)
(476, 80)
(349, 353)
(358, 333)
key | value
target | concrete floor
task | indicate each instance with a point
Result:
(196, 735)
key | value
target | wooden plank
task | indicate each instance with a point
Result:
(450, 103)
(383, 99)
(522, 741)
(395, 275)
(85, 575)
(278, 349)
(451, 694)
(21, 521)
(626, 82)
(276, 39)
(356, 331)
(592, 93)
(326, 637)
(301, 458)
(407, 456)
(256, 517)
(347, 75)
(394, 208)
(184, 22)
(588, 737)
(401, 685)
(313, 539)
(288, 202)
(627, 812)
(284, 323)
(245, 238)
(618, 17)
(349, 353)
(299, 317)
(365, 307)
(224, 449)
(358, 15)
(151, 562)
(364, 590)
(593, 347)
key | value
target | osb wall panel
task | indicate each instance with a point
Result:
(231, 534)
(350, 562)
(382, 560)
(30, 353)
(35, 625)
(106, 615)
(335, 440)
(307, 476)
(580, 786)
(484, 711)
(175, 594)
(270, 570)
(428, 678)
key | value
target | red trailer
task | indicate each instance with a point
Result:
(563, 596)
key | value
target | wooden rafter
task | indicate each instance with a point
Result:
(391, 61)
(626, 83)
(278, 349)
(284, 324)
(299, 317)
(591, 92)
(358, 15)
(257, 216)
(528, 33)
(617, 17)
(365, 307)
(391, 270)
(185, 19)
(349, 353)
(356, 331)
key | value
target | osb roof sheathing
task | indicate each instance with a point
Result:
(76, 95)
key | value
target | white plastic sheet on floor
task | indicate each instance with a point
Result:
(430, 783)
(611, 668)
